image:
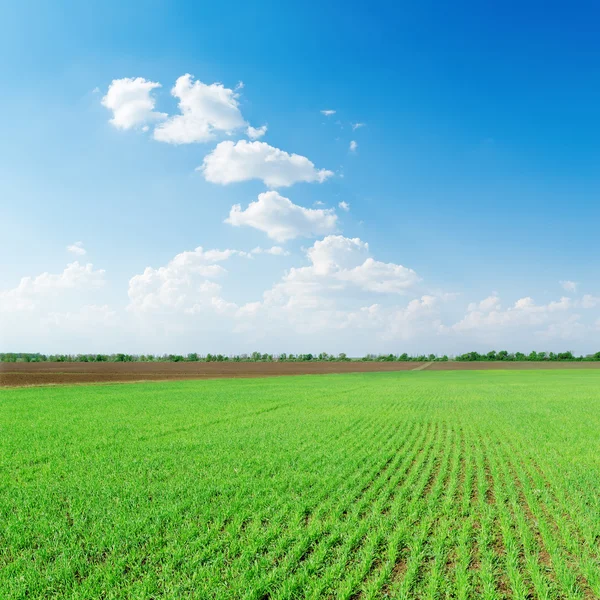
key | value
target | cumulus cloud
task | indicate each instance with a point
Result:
(187, 280)
(486, 305)
(339, 263)
(328, 113)
(569, 286)
(232, 162)
(344, 205)
(356, 126)
(205, 110)
(77, 248)
(341, 299)
(34, 291)
(131, 102)
(353, 146)
(254, 133)
(331, 296)
(281, 219)
(488, 316)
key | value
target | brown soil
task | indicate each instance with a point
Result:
(21, 374)
(510, 365)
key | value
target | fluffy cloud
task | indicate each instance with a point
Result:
(486, 305)
(569, 286)
(344, 206)
(281, 219)
(356, 126)
(341, 299)
(254, 133)
(205, 111)
(487, 318)
(77, 248)
(33, 292)
(232, 162)
(330, 300)
(186, 281)
(338, 266)
(328, 113)
(353, 146)
(131, 102)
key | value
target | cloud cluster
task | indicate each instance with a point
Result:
(341, 299)
(207, 112)
(33, 292)
(187, 280)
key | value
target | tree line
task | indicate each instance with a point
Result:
(502, 355)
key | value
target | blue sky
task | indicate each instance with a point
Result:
(476, 169)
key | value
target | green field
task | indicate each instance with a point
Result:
(405, 485)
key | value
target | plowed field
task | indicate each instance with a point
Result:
(19, 374)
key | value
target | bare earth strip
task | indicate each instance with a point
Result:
(422, 366)
(22, 374)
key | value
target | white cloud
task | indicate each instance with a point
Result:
(356, 126)
(328, 297)
(328, 113)
(353, 146)
(232, 162)
(376, 276)
(274, 250)
(344, 205)
(488, 315)
(569, 286)
(186, 281)
(281, 219)
(131, 102)
(325, 301)
(254, 133)
(77, 248)
(205, 111)
(486, 305)
(339, 263)
(589, 301)
(32, 292)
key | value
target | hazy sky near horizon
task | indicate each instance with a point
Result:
(179, 176)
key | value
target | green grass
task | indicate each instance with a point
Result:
(405, 485)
